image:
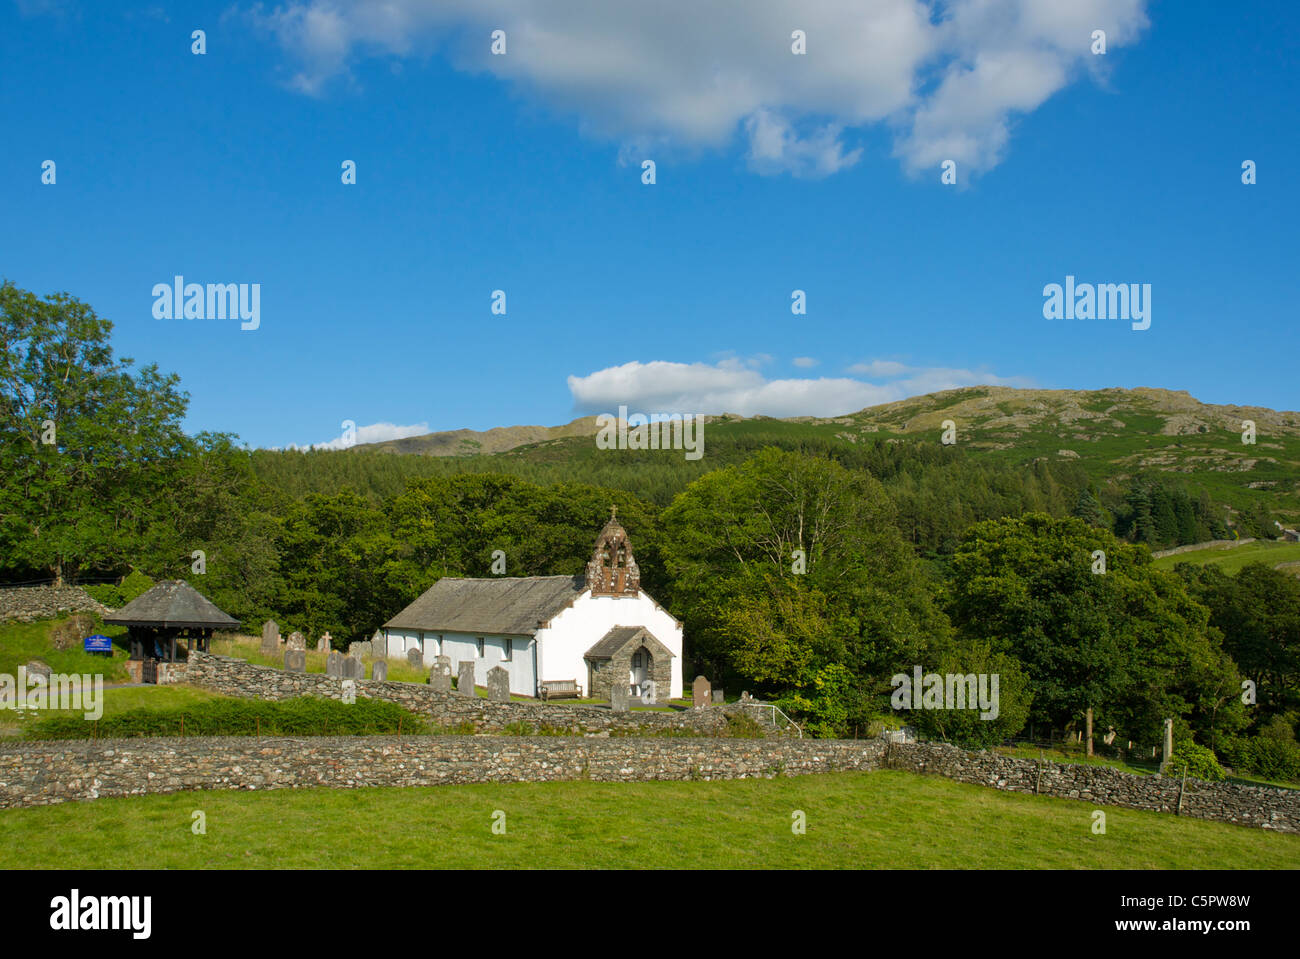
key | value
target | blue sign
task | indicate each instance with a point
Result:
(98, 644)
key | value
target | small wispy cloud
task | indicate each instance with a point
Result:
(374, 433)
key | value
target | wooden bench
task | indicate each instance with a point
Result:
(560, 689)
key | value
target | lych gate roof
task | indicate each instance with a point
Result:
(619, 637)
(172, 603)
(517, 606)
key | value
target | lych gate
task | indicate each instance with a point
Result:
(155, 620)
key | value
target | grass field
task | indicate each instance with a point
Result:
(884, 819)
(1231, 559)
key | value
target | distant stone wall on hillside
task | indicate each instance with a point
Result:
(235, 677)
(1211, 544)
(25, 604)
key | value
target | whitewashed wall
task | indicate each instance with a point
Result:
(464, 646)
(575, 630)
(559, 647)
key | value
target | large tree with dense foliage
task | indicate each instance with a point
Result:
(1128, 642)
(789, 564)
(89, 446)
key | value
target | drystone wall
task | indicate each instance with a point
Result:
(235, 677)
(26, 604)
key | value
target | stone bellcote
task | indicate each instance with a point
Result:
(612, 570)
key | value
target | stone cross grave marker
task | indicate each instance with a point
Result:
(323, 644)
(465, 677)
(270, 638)
(618, 697)
(379, 671)
(700, 693)
(295, 660)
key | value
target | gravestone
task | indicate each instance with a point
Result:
(498, 684)
(440, 675)
(465, 677)
(295, 660)
(334, 664)
(270, 638)
(415, 657)
(323, 644)
(378, 646)
(297, 641)
(359, 650)
(718, 698)
(379, 671)
(618, 697)
(353, 668)
(701, 694)
(648, 692)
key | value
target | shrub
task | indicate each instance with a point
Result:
(743, 726)
(303, 716)
(1196, 760)
(518, 728)
(1273, 758)
(133, 584)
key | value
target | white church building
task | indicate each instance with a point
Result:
(594, 630)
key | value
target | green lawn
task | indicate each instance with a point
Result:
(1231, 559)
(22, 642)
(115, 701)
(885, 819)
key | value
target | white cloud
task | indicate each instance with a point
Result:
(661, 386)
(948, 76)
(374, 433)
(804, 362)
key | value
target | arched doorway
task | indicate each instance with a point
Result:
(641, 671)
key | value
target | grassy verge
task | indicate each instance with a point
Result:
(22, 642)
(881, 820)
(1231, 559)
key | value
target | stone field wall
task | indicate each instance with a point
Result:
(26, 604)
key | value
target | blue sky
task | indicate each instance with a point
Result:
(774, 172)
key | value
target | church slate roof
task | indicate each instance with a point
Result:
(514, 606)
(175, 604)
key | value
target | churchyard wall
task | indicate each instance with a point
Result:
(235, 677)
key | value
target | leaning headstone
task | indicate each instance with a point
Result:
(379, 671)
(701, 694)
(415, 657)
(648, 692)
(440, 675)
(378, 646)
(297, 641)
(334, 664)
(295, 660)
(718, 698)
(270, 638)
(498, 684)
(465, 678)
(618, 697)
